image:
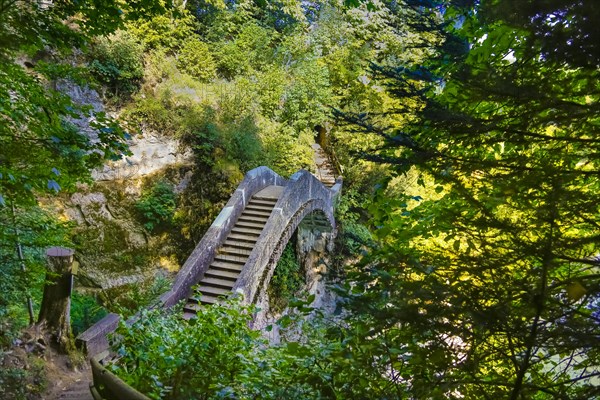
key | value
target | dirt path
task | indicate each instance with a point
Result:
(66, 382)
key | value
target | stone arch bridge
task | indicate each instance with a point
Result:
(241, 248)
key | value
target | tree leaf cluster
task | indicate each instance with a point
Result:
(479, 284)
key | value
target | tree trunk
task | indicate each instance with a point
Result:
(56, 303)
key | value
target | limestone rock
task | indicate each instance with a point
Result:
(82, 96)
(89, 208)
(151, 153)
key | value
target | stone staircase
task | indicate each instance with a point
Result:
(223, 272)
(220, 277)
(325, 171)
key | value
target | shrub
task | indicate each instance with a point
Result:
(284, 150)
(216, 355)
(117, 62)
(182, 360)
(241, 143)
(164, 31)
(11, 382)
(157, 205)
(195, 59)
(287, 280)
(308, 96)
(13, 319)
(250, 50)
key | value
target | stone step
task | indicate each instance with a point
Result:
(212, 291)
(259, 207)
(258, 213)
(187, 315)
(239, 244)
(216, 282)
(247, 231)
(198, 301)
(192, 307)
(263, 202)
(79, 390)
(256, 219)
(242, 238)
(235, 259)
(218, 273)
(246, 224)
(227, 266)
(269, 193)
(234, 251)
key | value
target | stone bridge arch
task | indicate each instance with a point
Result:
(305, 203)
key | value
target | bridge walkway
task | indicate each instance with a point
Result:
(223, 272)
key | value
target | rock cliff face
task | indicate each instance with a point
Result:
(113, 248)
(313, 252)
(152, 153)
(82, 96)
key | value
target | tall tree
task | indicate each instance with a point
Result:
(489, 287)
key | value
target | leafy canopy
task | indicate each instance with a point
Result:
(487, 282)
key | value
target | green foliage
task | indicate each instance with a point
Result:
(283, 150)
(307, 96)
(168, 31)
(195, 59)
(33, 26)
(199, 358)
(287, 280)
(33, 229)
(85, 311)
(154, 112)
(216, 355)
(42, 153)
(117, 62)
(355, 238)
(11, 382)
(483, 286)
(157, 205)
(250, 50)
(25, 380)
